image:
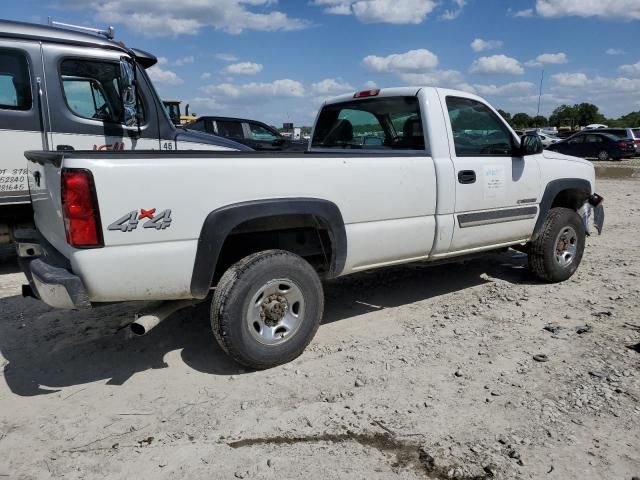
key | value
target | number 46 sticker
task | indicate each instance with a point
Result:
(130, 221)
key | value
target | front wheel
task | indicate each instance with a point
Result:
(556, 253)
(267, 308)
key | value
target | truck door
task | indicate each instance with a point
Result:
(497, 193)
(85, 89)
(20, 119)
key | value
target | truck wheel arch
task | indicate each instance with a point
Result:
(564, 192)
(221, 222)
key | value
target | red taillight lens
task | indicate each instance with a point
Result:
(80, 209)
(623, 144)
(367, 93)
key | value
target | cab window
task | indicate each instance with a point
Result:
(477, 130)
(92, 90)
(386, 123)
(15, 88)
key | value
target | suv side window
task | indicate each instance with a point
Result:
(593, 139)
(477, 130)
(92, 90)
(15, 87)
(261, 134)
(230, 129)
(576, 139)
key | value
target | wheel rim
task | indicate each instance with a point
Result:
(276, 312)
(603, 155)
(566, 246)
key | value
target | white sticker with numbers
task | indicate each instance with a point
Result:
(494, 182)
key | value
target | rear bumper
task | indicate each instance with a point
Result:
(49, 274)
(57, 287)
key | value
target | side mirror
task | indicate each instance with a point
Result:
(129, 94)
(530, 144)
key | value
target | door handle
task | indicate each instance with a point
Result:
(466, 176)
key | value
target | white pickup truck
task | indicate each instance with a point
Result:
(393, 176)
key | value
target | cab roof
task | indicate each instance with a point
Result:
(46, 33)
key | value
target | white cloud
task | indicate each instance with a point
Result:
(205, 76)
(570, 79)
(453, 13)
(514, 88)
(579, 82)
(527, 13)
(243, 68)
(162, 77)
(371, 85)
(614, 51)
(256, 90)
(331, 86)
(633, 70)
(439, 78)
(381, 11)
(157, 18)
(163, 60)
(556, 58)
(545, 58)
(185, 60)
(480, 45)
(497, 64)
(226, 57)
(621, 9)
(415, 61)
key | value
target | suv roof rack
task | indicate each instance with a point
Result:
(109, 33)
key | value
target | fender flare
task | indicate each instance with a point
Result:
(219, 224)
(552, 190)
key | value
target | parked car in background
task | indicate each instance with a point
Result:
(252, 133)
(595, 126)
(548, 139)
(591, 144)
(628, 133)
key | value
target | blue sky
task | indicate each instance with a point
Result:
(277, 60)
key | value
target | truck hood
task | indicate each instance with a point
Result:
(561, 156)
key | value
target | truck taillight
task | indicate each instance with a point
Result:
(367, 93)
(80, 209)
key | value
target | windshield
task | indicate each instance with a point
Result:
(387, 123)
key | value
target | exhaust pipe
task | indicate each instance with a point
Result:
(143, 324)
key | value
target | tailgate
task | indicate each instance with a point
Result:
(44, 174)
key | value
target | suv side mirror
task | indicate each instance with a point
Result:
(129, 94)
(530, 144)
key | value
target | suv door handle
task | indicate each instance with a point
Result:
(466, 176)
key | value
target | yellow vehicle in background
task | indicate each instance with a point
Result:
(173, 109)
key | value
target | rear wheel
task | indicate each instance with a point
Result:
(556, 253)
(267, 308)
(603, 155)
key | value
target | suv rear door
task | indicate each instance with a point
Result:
(85, 101)
(20, 119)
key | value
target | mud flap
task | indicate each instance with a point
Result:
(593, 205)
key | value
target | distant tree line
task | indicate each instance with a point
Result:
(578, 115)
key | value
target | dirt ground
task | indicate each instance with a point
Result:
(416, 373)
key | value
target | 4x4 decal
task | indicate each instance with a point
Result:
(130, 221)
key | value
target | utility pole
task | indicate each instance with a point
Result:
(540, 94)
